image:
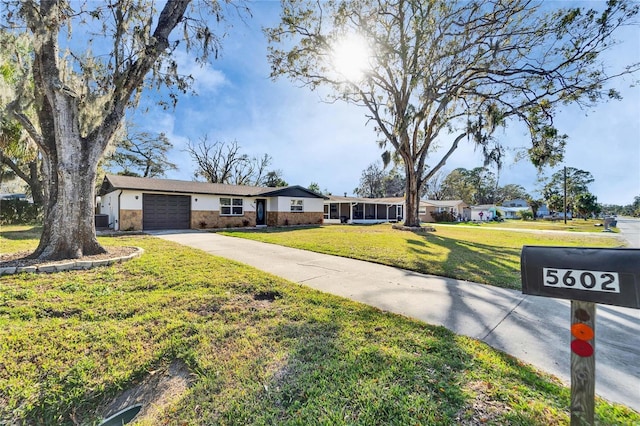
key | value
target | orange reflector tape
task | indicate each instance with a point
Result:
(581, 348)
(582, 331)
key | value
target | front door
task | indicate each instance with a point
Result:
(261, 212)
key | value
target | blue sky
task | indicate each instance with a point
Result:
(330, 144)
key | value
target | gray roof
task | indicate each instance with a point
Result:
(387, 200)
(115, 182)
(484, 207)
(443, 203)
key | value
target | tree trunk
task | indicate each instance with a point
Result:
(69, 228)
(69, 164)
(412, 197)
(69, 175)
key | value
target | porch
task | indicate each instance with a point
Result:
(363, 210)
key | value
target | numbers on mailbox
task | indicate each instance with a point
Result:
(607, 282)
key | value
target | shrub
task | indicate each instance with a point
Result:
(526, 215)
(444, 216)
(19, 212)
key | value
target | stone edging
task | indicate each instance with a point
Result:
(70, 264)
(414, 228)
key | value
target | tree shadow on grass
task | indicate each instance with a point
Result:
(23, 234)
(469, 261)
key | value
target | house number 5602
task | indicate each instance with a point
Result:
(608, 282)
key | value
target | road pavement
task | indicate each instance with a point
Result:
(630, 230)
(533, 329)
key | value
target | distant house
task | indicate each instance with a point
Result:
(458, 208)
(483, 212)
(133, 203)
(518, 202)
(339, 209)
(512, 209)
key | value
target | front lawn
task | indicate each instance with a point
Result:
(575, 225)
(260, 350)
(483, 255)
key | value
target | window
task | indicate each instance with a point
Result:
(297, 206)
(231, 206)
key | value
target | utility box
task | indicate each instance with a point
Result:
(599, 275)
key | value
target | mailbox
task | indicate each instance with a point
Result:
(599, 275)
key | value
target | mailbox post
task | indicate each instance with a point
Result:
(585, 276)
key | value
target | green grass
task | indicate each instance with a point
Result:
(71, 341)
(575, 225)
(483, 255)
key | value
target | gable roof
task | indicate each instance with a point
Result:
(114, 182)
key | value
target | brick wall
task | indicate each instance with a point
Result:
(427, 216)
(294, 218)
(212, 219)
(130, 220)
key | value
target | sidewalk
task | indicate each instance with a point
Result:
(533, 329)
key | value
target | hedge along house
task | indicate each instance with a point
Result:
(134, 203)
(363, 210)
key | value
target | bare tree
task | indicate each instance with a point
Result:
(141, 154)
(222, 162)
(442, 72)
(80, 97)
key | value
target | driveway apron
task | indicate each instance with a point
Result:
(533, 329)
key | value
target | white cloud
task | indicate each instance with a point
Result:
(207, 80)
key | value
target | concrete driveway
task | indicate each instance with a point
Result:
(533, 329)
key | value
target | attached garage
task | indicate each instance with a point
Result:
(166, 211)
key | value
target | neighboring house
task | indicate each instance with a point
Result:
(543, 211)
(363, 210)
(457, 207)
(512, 209)
(339, 209)
(134, 203)
(483, 212)
(518, 202)
(512, 212)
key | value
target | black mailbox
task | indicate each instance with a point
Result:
(599, 275)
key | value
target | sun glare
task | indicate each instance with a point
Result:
(351, 57)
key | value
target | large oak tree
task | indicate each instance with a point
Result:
(89, 64)
(442, 72)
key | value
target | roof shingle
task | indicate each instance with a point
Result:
(114, 182)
